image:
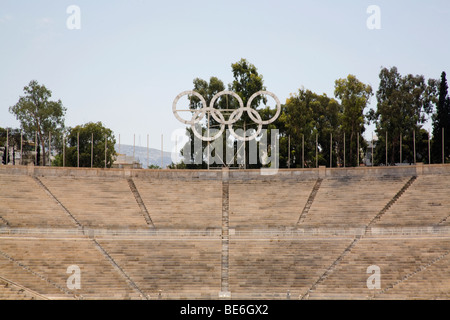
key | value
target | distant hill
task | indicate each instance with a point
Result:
(140, 155)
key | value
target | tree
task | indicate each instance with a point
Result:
(354, 96)
(86, 132)
(11, 144)
(5, 157)
(208, 90)
(37, 114)
(441, 120)
(247, 81)
(2, 136)
(307, 115)
(403, 105)
(3, 144)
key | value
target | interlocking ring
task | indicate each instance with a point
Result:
(236, 114)
(195, 118)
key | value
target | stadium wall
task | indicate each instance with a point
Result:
(281, 174)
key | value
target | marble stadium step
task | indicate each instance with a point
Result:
(395, 258)
(182, 204)
(98, 202)
(25, 204)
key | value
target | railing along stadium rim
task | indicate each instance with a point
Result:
(216, 233)
(244, 174)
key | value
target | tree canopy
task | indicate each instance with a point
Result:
(404, 105)
(247, 81)
(90, 136)
(354, 96)
(313, 129)
(38, 115)
(441, 121)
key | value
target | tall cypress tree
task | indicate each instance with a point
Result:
(441, 119)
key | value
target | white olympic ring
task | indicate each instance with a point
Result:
(236, 114)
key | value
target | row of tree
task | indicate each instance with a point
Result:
(43, 132)
(314, 129)
(318, 130)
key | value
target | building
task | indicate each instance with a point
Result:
(123, 161)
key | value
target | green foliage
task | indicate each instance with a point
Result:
(2, 137)
(354, 96)
(404, 104)
(13, 141)
(208, 90)
(441, 120)
(180, 165)
(247, 81)
(37, 114)
(90, 135)
(5, 157)
(306, 115)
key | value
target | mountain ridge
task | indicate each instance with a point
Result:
(140, 155)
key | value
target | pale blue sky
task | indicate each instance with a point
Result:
(131, 58)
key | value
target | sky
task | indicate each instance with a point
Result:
(126, 61)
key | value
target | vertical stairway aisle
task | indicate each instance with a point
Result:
(310, 201)
(224, 290)
(140, 202)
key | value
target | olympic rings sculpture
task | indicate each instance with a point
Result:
(236, 114)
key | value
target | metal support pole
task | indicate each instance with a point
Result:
(92, 150)
(303, 151)
(331, 150)
(35, 148)
(317, 150)
(429, 149)
(21, 147)
(401, 159)
(245, 145)
(289, 152)
(443, 146)
(357, 150)
(344, 151)
(106, 149)
(49, 148)
(386, 148)
(78, 149)
(64, 150)
(207, 158)
(162, 147)
(414, 141)
(372, 149)
(148, 158)
(7, 146)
